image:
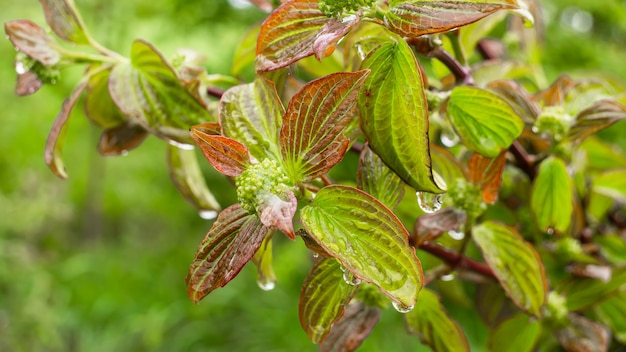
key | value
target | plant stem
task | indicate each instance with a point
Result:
(457, 260)
(462, 73)
(215, 92)
(357, 147)
(524, 161)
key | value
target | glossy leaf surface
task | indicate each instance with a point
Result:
(121, 139)
(32, 40)
(353, 328)
(323, 299)
(227, 155)
(552, 196)
(312, 136)
(266, 278)
(431, 323)
(367, 238)
(515, 263)
(231, 242)
(377, 179)
(64, 20)
(98, 105)
(394, 115)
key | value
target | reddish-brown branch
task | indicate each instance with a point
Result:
(463, 74)
(524, 161)
(457, 260)
(215, 92)
(357, 147)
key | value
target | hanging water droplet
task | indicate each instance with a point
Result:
(401, 307)
(456, 235)
(182, 146)
(124, 152)
(550, 230)
(449, 138)
(316, 255)
(429, 202)
(447, 277)
(20, 68)
(361, 51)
(265, 285)
(350, 279)
(535, 129)
(207, 214)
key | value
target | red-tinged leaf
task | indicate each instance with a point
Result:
(518, 98)
(64, 20)
(517, 334)
(327, 37)
(264, 5)
(27, 84)
(431, 226)
(266, 279)
(121, 139)
(312, 136)
(231, 242)
(32, 40)
(54, 144)
(277, 213)
(287, 34)
(377, 179)
(368, 240)
(210, 128)
(98, 105)
(352, 329)
(252, 113)
(227, 155)
(430, 321)
(323, 298)
(555, 94)
(394, 114)
(413, 18)
(583, 335)
(598, 116)
(515, 263)
(187, 177)
(488, 173)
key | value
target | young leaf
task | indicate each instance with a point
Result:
(148, 91)
(375, 178)
(231, 242)
(585, 292)
(312, 136)
(598, 116)
(612, 184)
(611, 313)
(98, 105)
(323, 298)
(227, 155)
(517, 97)
(277, 213)
(368, 240)
(413, 18)
(488, 173)
(517, 334)
(432, 324)
(27, 83)
(56, 137)
(266, 279)
(394, 115)
(187, 177)
(552, 196)
(516, 264)
(121, 139)
(352, 329)
(252, 114)
(555, 94)
(32, 40)
(486, 123)
(583, 335)
(64, 20)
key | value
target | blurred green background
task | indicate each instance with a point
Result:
(97, 262)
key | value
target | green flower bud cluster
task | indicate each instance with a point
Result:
(468, 197)
(553, 121)
(335, 8)
(556, 309)
(259, 181)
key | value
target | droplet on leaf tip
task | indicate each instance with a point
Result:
(429, 202)
(401, 308)
(449, 139)
(207, 214)
(456, 235)
(182, 146)
(350, 279)
(266, 285)
(447, 277)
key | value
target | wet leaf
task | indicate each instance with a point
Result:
(516, 264)
(487, 173)
(517, 334)
(98, 105)
(266, 278)
(312, 135)
(413, 18)
(377, 179)
(517, 97)
(612, 184)
(231, 242)
(121, 139)
(64, 20)
(446, 165)
(277, 213)
(352, 329)
(431, 226)
(56, 137)
(227, 155)
(486, 123)
(582, 292)
(323, 298)
(32, 40)
(430, 321)
(356, 228)
(394, 115)
(149, 92)
(252, 114)
(552, 196)
(27, 83)
(583, 335)
(326, 39)
(611, 313)
(598, 116)
(187, 177)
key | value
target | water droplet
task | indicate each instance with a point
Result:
(124, 152)
(456, 235)
(266, 285)
(343, 270)
(449, 139)
(447, 277)
(535, 129)
(316, 255)
(20, 68)
(207, 214)
(550, 231)
(401, 307)
(429, 202)
(350, 279)
(182, 146)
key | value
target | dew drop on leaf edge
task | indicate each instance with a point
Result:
(429, 202)
(266, 285)
(401, 308)
(350, 279)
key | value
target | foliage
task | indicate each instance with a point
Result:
(517, 199)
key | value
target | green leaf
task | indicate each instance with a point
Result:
(266, 279)
(98, 105)
(552, 196)
(375, 178)
(245, 53)
(149, 92)
(56, 137)
(32, 40)
(486, 123)
(430, 321)
(582, 292)
(446, 165)
(187, 177)
(612, 247)
(598, 116)
(601, 155)
(324, 298)
(121, 139)
(252, 114)
(517, 334)
(515, 263)
(227, 155)
(394, 115)
(312, 136)
(612, 184)
(413, 18)
(65, 21)
(231, 242)
(354, 327)
(611, 313)
(367, 238)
